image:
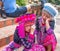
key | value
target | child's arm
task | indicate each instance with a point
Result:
(22, 41)
(49, 27)
(28, 43)
(48, 42)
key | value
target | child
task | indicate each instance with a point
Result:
(24, 33)
(45, 28)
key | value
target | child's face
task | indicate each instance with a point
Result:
(28, 26)
(46, 15)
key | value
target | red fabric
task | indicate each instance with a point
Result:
(31, 36)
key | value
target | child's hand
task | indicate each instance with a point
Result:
(47, 20)
(47, 24)
(32, 29)
(28, 7)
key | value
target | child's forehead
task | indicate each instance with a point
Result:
(46, 13)
(29, 23)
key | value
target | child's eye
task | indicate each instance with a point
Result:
(48, 17)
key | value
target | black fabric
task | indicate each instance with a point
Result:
(21, 41)
(26, 44)
(1, 11)
(16, 37)
(37, 25)
(52, 24)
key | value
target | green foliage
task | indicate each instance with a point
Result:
(55, 2)
(21, 2)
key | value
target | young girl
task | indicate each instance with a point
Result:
(45, 28)
(24, 33)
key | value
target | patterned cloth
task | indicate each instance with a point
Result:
(36, 47)
(46, 37)
(20, 37)
(22, 21)
(20, 33)
(23, 41)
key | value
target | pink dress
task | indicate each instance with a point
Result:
(36, 47)
(46, 38)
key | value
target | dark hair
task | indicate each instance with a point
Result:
(51, 23)
(37, 25)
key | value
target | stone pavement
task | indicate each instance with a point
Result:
(57, 32)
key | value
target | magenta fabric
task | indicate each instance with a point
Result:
(36, 47)
(46, 38)
(22, 20)
(21, 30)
(42, 38)
(26, 17)
(50, 39)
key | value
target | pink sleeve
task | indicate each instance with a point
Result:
(50, 31)
(31, 38)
